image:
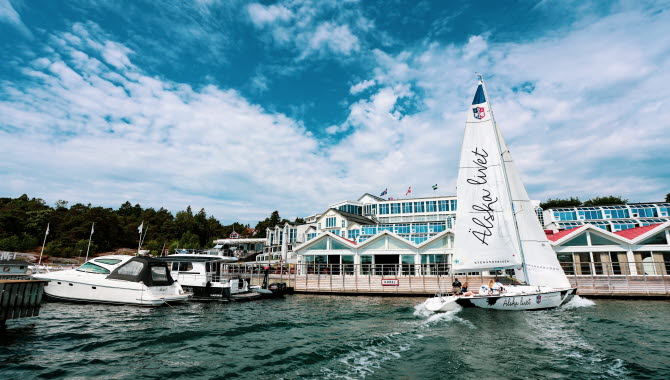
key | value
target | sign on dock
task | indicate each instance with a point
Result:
(390, 282)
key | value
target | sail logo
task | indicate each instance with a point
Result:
(478, 112)
(539, 299)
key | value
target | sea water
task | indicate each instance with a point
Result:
(309, 336)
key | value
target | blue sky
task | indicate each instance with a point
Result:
(247, 107)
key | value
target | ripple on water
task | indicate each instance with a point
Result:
(306, 336)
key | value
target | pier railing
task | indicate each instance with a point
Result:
(591, 278)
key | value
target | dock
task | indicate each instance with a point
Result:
(20, 299)
(399, 283)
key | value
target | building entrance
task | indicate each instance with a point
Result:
(387, 264)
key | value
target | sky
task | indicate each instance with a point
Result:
(243, 108)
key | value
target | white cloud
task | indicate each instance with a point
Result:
(262, 14)
(312, 28)
(9, 15)
(361, 86)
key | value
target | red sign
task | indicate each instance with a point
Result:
(390, 282)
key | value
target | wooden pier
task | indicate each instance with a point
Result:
(20, 299)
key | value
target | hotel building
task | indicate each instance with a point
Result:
(417, 234)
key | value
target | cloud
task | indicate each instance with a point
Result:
(312, 28)
(361, 86)
(10, 16)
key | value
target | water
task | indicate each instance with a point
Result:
(305, 336)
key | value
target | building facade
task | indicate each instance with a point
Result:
(612, 218)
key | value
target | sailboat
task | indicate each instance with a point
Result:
(496, 224)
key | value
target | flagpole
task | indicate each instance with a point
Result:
(43, 244)
(89, 242)
(145, 235)
(139, 245)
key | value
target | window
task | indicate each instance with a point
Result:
(366, 264)
(443, 205)
(436, 227)
(401, 228)
(319, 245)
(577, 241)
(420, 228)
(384, 209)
(368, 230)
(311, 236)
(419, 207)
(453, 204)
(565, 215)
(407, 207)
(431, 206)
(344, 223)
(159, 273)
(656, 239)
(395, 208)
(132, 268)
(353, 234)
(292, 235)
(92, 268)
(334, 244)
(591, 213)
(331, 222)
(600, 240)
(644, 212)
(108, 261)
(318, 226)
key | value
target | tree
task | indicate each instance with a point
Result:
(608, 200)
(557, 203)
(667, 197)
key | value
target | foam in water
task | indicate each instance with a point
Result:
(578, 301)
(431, 317)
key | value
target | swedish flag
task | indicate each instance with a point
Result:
(435, 187)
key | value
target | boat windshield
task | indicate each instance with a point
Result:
(108, 261)
(92, 268)
(159, 274)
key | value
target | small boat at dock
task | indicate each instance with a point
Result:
(116, 279)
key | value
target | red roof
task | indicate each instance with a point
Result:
(561, 234)
(632, 233)
(343, 238)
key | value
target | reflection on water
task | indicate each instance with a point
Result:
(306, 336)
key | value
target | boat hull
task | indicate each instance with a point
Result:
(528, 301)
(112, 292)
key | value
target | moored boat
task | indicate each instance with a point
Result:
(115, 279)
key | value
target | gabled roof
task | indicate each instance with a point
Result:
(360, 219)
(322, 236)
(632, 233)
(559, 235)
(370, 195)
(629, 236)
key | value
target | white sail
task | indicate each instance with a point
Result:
(485, 234)
(541, 262)
(513, 233)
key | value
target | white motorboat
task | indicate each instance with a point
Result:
(116, 279)
(497, 228)
(202, 273)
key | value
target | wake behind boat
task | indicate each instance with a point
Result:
(496, 227)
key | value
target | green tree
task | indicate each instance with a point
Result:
(558, 202)
(667, 197)
(608, 200)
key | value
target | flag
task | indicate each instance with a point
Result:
(384, 192)
(47, 233)
(435, 187)
(139, 229)
(92, 230)
(390, 198)
(409, 191)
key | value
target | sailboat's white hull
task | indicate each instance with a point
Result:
(538, 300)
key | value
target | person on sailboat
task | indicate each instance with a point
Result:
(484, 290)
(464, 288)
(456, 286)
(498, 287)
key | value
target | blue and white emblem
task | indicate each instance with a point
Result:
(478, 112)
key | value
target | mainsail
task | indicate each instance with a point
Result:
(496, 224)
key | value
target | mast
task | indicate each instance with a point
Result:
(509, 190)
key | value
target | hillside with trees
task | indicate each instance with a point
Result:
(575, 202)
(23, 221)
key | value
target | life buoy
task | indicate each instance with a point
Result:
(6, 269)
